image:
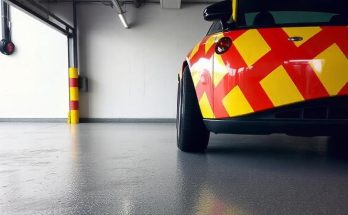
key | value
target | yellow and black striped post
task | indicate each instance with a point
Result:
(74, 117)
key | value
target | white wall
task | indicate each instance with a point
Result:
(133, 73)
(34, 81)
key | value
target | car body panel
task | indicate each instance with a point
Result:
(265, 69)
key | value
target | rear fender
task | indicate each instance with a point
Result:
(181, 71)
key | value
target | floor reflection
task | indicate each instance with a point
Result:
(263, 175)
(137, 169)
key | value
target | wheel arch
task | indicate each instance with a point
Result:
(181, 71)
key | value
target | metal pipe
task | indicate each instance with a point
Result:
(49, 13)
(75, 34)
(42, 18)
(74, 98)
(117, 5)
(68, 43)
(5, 21)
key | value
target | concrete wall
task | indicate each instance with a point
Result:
(133, 72)
(33, 81)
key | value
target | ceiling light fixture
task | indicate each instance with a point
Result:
(117, 6)
(123, 20)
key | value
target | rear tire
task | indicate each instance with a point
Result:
(192, 135)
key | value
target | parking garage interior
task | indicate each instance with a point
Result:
(109, 145)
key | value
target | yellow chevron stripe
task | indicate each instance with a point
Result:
(333, 71)
(206, 109)
(236, 104)
(280, 88)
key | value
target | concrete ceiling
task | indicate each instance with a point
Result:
(37, 5)
(176, 4)
(169, 4)
(41, 7)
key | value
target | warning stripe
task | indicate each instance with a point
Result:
(74, 105)
(277, 51)
(73, 82)
(73, 96)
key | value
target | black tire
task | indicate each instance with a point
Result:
(338, 146)
(192, 135)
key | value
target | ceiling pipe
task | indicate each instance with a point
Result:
(138, 3)
(117, 5)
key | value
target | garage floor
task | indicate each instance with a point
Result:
(136, 169)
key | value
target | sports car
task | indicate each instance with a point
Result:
(266, 67)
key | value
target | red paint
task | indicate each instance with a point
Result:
(344, 90)
(283, 53)
(73, 82)
(74, 105)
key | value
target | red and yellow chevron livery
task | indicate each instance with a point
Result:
(264, 69)
(267, 67)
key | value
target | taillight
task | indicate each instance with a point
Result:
(223, 45)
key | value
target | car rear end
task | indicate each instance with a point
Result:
(285, 72)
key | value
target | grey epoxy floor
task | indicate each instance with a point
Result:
(136, 169)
